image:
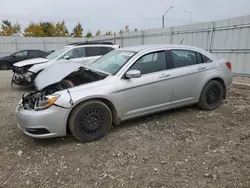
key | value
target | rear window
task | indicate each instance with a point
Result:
(106, 50)
(93, 51)
(36, 53)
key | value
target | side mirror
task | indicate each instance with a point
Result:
(133, 74)
(13, 56)
(66, 57)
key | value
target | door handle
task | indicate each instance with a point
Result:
(164, 75)
(201, 68)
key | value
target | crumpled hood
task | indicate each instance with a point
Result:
(55, 73)
(38, 67)
(30, 62)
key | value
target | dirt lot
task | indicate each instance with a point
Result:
(181, 148)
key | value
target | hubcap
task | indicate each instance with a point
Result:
(212, 96)
(91, 121)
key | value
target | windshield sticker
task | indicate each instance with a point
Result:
(127, 54)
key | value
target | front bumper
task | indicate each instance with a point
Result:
(48, 123)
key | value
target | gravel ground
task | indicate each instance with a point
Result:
(180, 148)
(242, 79)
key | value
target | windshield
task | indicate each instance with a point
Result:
(56, 53)
(113, 61)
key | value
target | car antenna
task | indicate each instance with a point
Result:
(182, 41)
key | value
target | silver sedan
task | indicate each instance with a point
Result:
(125, 83)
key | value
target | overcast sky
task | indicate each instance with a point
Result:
(114, 14)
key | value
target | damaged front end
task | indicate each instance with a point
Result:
(46, 96)
(22, 76)
(38, 101)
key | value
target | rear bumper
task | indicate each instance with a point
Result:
(47, 123)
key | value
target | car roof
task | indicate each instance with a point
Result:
(30, 50)
(155, 46)
(146, 48)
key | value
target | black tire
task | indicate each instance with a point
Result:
(90, 121)
(4, 66)
(211, 95)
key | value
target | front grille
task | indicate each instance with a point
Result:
(38, 131)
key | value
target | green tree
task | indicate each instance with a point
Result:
(98, 33)
(60, 29)
(108, 33)
(136, 29)
(48, 29)
(78, 30)
(127, 28)
(33, 30)
(7, 29)
(89, 35)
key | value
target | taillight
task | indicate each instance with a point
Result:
(229, 65)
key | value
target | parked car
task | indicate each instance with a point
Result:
(123, 84)
(6, 62)
(85, 52)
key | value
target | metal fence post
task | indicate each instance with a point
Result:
(121, 39)
(16, 44)
(142, 37)
(210, 37)
(44, 44)
(171, 35)
(114, 37)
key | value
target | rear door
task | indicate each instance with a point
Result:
(189, 72)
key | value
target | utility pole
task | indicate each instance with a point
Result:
(163, 24)
(190, 16)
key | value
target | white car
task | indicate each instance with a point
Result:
(83, 52)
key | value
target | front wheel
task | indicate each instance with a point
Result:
(211, 96)
(90, 121)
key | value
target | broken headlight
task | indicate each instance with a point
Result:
(45, 102)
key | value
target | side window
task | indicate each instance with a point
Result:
(93, 51)
(206, 59)
(182, 58)
(81, 51)
(106, 50)
(34, 53)
(21, 54)
(199, 58)
(150, 63)
(73, 54)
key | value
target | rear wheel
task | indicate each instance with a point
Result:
(4, 66)
(211, 96)
(90, 121)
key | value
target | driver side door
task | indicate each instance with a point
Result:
(152, 91)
